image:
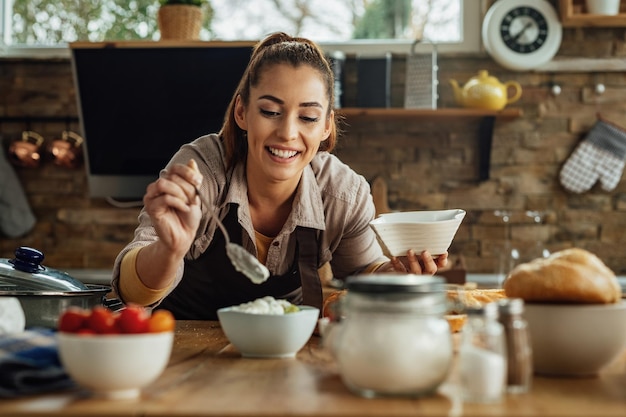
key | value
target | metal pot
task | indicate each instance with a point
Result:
(45, 293)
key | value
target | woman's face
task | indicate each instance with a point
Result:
(285, 120)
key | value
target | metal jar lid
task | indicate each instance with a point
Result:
(396, 293)
(26, 273)
(395, 283)
(488, 311)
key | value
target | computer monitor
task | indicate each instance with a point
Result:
(138, 102)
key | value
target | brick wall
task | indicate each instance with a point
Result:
(427, 164)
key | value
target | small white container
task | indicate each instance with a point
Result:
(604, 7)
(483, 356)
(394, 340)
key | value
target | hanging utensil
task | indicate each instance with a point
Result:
(67, 152)
(26, 151)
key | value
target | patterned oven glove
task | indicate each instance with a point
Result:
(599, 156)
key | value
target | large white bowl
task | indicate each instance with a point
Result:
(268, 335)
(115, 366)
(418, 230)
(575, 339)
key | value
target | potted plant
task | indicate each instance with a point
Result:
(180, 19)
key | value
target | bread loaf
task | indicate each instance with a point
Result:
(569, 276)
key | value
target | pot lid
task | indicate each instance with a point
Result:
(25, 273)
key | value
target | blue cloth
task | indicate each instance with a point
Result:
(29, 364)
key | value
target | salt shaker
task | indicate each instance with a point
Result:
(482, 356)
(519, 350)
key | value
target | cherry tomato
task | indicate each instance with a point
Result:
(133, 319)
(161, 321)
(73, 319)
(102, 321)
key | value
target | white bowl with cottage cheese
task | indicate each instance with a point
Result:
(268, 328)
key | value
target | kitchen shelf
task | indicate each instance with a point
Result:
(37, 119)
(485, 130)
(510, 113)
(573, 15)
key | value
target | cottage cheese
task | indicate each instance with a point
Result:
(267, 305)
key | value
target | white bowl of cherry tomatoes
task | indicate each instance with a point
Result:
(115, 354)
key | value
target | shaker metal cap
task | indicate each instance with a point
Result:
(511, 306)
(489, 310)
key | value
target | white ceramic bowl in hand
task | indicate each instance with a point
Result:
(418, 230)
(575, 339)
(115, 366)
(268, 335)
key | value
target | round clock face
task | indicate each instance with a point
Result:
(521, 34)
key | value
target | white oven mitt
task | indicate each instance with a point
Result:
(601, 155)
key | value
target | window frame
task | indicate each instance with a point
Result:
(471, 29)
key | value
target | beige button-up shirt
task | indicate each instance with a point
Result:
(331, 198)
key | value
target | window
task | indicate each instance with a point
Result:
(44, 27)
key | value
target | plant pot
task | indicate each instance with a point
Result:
(179, 21)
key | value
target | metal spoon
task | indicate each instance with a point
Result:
(242, 260)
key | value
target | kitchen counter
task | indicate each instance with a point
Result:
(206, 376)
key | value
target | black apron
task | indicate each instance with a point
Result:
(211, 282)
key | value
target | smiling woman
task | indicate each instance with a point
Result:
(270, 177)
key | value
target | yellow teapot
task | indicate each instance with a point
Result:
(484, 91)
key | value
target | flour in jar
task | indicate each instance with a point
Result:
(267, 305)
(397, 357)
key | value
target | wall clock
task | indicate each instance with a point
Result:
(521, 34)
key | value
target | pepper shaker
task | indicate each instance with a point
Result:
(519, 350)
(482, 356)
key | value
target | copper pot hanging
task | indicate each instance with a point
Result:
(66, 151)
(26, 151)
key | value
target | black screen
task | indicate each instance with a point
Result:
(138, 105)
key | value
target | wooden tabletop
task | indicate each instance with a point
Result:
(206, 376)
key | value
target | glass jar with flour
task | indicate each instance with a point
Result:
(394, 340)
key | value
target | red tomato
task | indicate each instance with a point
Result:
(161, 321)
(133, 319)
(102, 321)
(73, 319)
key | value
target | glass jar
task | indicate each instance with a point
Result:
(482, 356)
(518, 347)
(394, 340)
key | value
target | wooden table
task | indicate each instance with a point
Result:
(206, 376)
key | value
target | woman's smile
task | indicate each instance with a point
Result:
(282, 153)
(286, 121)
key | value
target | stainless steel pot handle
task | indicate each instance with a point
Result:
(113, 304)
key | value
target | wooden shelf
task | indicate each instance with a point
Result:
(485, 131)
(395, 112)
(573, 14)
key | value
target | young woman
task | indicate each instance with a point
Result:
(280, 192)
